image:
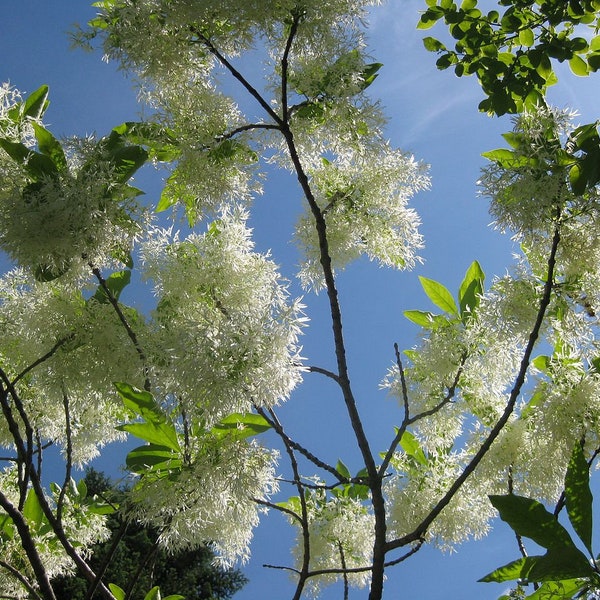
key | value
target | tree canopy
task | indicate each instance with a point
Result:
(497, 403)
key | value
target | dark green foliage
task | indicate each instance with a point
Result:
(511, 52)
(190, 574)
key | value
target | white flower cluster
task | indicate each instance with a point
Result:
(416, 489)
(79, 524)
(224, 319)
(93, 351)
(55, 219)
(212, 499)
(364, 201)
(342, 532)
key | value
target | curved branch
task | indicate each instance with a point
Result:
(495, 431)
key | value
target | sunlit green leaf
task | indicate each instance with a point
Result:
(578, 66)
(36, 103)
(421, 318)
(411, 446)
(50, 146)
(117, 592)
(32, 510)
(241, 425)
(343, 470)
(439, 295)
(471, 288)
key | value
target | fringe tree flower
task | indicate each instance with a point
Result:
(225, 318)
(363, 200)
(212, 499)
(61, 211)
(86, 350)
(342, 531)
(79, 524)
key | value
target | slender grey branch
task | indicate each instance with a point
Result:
(427, 413)
(278, 507)
(276, 425)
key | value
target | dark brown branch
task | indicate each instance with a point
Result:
(22, 580)
(28, 545)
(43, 358)
(202, 39)
(69, 459)
(325, 372)
(130, 332)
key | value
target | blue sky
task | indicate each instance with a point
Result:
(432, 114)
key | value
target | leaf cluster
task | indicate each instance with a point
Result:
(564, 571)
(511, 52)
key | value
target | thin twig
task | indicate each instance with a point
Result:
(325, 372)
(43, 358)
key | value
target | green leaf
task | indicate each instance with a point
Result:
(558, 590)
(82, 489)
(369, 74)
(526, 37)
(411, 446)
(579, 66)
(36, 103)
(126, 161)
(503, 156)
(559, 564)
(433, 45)
(471, 288)
(32, 510)
(343, 470)
(17, 151)
(530, 519)
(424, 319)
(7, 527)
(50, 146)
(157, 429)
(161, 143)
(117, 592)
(541, 362)
(439, 295)
(162, 434)
(517, 569)
(153, 594)
(115, 283)
(577, 179)
(41, 166)
(153, 456)
(241, 425)
(578, 497)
